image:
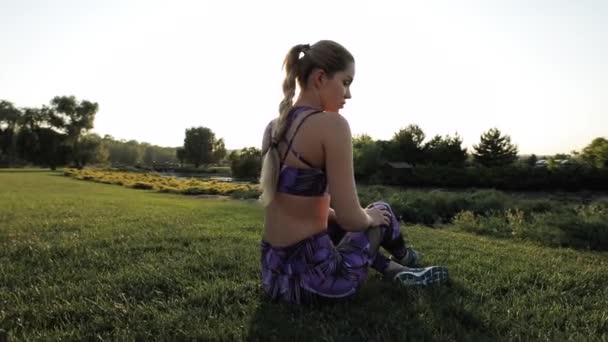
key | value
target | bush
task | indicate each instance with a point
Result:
(193, 191)
(436, 206)
(245, 194)
(584, 227)
(152, 180)
(514, 177)
(467, 221)
(142, 186)
(489, 200)
(494, 225)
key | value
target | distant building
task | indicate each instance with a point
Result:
(393, 170)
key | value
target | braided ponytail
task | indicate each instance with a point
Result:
(270, 165)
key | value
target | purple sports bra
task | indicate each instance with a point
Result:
(300, 181)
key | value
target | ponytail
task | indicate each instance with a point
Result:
(270, 165)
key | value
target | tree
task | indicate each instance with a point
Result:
(407, 145)
(37, 141)
(596, 153)
(91, 150)
(446, 151)
(367, 156)
(531, 161)
(9, 118)
(180, 153)
(149, 157)
(164, 155)
(361, 140)
(75, 118)
(122, 152)
(247, 163)
(495, 150)
(53, 151)
(219, 150)
(198, 145)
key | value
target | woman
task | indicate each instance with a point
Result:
(309, 250)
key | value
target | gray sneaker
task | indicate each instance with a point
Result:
(423, 276)
(411, 258)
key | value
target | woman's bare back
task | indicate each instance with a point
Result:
(291, 218)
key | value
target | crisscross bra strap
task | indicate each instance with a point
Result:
(294, 135)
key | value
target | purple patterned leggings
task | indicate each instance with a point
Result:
(329, 265)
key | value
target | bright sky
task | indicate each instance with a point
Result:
(537, 70)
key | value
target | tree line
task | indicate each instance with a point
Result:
(59, 134)
(409, 159)
(50, 135)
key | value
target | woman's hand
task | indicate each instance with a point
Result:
(379, 215)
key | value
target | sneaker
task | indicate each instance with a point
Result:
(423, 276)
(411, 258)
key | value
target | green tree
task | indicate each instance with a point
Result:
(445, 151)
(199, 144)
(122, 152)
(596, 153)
(247, 163)
(407, 145)
(531, 161)
(75, 118)
(37, 141)
(53, 150)
(157, 155)
(180, 153)
(219, 150)
(28, 144)
(367, 156)
(9, 118)
(149, 155)
(91, 150)
(494, 149)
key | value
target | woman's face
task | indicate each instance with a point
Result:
(336, 90)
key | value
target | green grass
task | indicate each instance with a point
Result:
(83, 260)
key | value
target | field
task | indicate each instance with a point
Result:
(85, 260)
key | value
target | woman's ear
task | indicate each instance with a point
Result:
(319, 77)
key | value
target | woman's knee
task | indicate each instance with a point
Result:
(394, 228)
(379, 203)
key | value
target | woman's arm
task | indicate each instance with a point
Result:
(341, 177)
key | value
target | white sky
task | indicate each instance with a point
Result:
(537, 70)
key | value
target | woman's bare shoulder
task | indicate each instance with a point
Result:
(335, 123)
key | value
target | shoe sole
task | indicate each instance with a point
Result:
(422, 277)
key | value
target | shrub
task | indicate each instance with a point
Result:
(516, 221)
(467, 221)
(142, 186)
(489, 200)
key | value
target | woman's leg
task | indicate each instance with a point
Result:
(389, 237)
(394, 242)
(380, 262)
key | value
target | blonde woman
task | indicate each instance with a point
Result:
(309, 250)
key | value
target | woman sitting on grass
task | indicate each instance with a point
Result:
(309, 250)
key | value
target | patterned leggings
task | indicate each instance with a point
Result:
(332, 264)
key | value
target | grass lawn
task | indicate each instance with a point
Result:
(83, 260)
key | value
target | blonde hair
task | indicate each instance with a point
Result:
(325, 54)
